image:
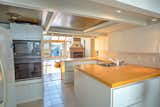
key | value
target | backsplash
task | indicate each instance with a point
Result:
(143, 59)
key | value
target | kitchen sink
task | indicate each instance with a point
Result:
(111, 64)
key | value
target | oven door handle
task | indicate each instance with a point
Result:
(4, 83)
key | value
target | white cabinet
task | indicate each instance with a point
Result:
(93, 93)
(25, 31)
(68, 69)
(30, 90)
(128, 96)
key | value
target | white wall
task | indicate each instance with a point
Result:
(139, 40)
(135, 46)
(101, 43)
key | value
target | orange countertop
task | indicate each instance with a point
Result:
(119, 75)
(78, 59)
(85, 59)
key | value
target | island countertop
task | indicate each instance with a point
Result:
(119, 75)
(85, 59)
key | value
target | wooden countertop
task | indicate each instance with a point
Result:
(119, 75)
(85, 59)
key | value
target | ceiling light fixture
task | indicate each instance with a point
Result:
(154, 19)
(118, 11)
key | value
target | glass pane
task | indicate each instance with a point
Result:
(46, 49)
(46, 45)
(57, 49)
(69, 38)
(54, 38)
(46, 37)
(62, 38)
(68, 45)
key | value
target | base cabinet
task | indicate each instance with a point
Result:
(68, 69)
(92, 93)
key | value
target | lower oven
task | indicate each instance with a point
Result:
(27, 69)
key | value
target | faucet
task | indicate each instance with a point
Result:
(115, 60)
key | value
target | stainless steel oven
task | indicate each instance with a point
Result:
(27, 59)
(27, 48)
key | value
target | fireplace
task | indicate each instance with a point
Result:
(77, 50)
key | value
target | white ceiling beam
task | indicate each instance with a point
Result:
(74, 32)
(99, 26)
(49, 20)
(79, 7)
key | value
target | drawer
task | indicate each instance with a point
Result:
(128, 95)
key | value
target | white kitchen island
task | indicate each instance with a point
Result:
(93, 89)
(67, 67)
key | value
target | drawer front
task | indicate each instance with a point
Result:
(128, 96)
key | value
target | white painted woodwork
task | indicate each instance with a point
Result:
(100, 26)
(25, 32)
(93, 93)
(30, 90)
(49, 20)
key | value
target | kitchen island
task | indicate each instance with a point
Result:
(68, 64)
(117, 86)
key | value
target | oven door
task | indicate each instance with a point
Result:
(23, 48)
(25, 71)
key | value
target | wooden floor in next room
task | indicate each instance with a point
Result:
(56, 93)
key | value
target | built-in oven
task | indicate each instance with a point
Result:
(27, 68)
(26, 48)
(27, 59)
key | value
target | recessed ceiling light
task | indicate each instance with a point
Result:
(154, 19)
(118, 11)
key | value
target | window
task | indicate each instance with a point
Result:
(56, 46)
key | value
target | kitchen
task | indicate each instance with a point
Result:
(84, 53)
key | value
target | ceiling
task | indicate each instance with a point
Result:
(115, 28)
(6, 11)
(87, 16)
(73, 22)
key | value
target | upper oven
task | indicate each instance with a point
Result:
(26, 48)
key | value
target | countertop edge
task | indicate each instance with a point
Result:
(120, 84)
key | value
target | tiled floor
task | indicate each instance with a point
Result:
(56, 93)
